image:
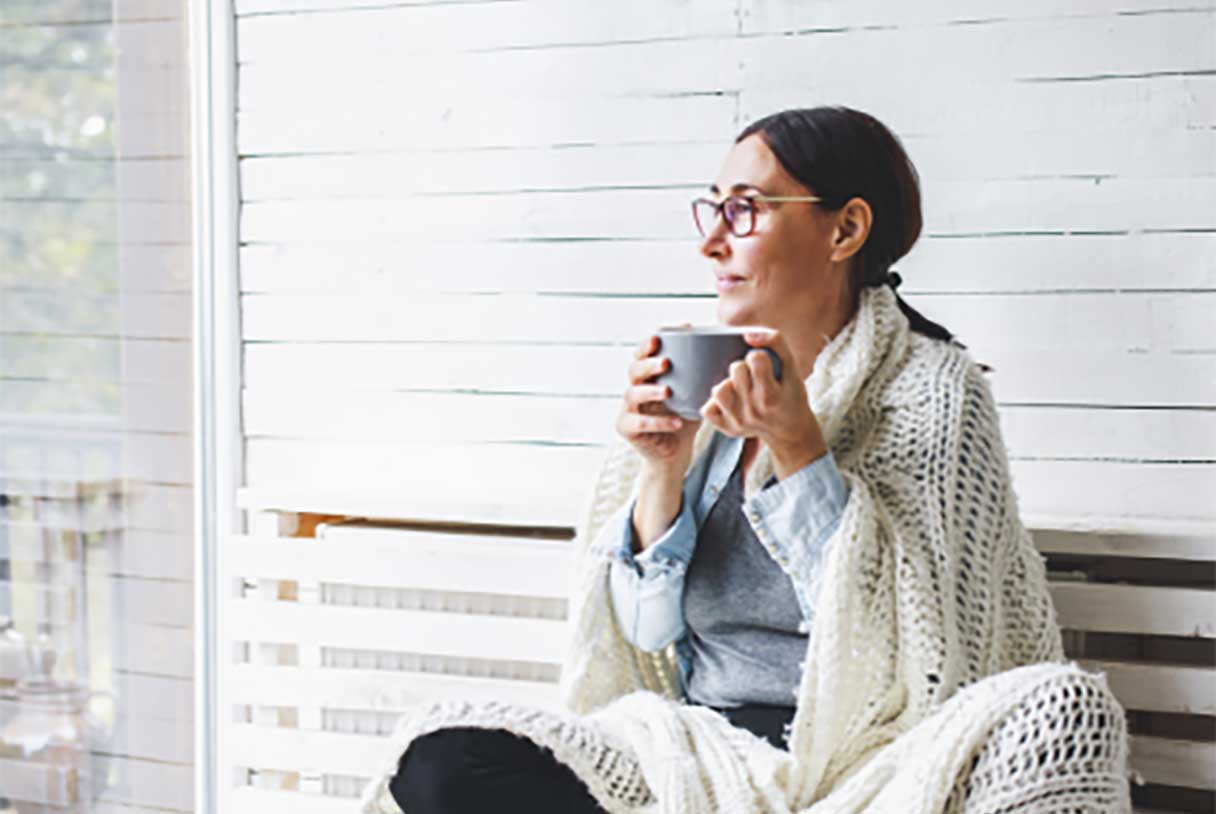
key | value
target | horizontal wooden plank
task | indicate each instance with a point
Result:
(385, 505)
(553, 482)
(1115, 496)
(1196, 543)
(1160, 687)
(1154, 610)
(689, 66)
(1027, 376)
(987, 108)
(1171, 762)
(430, 172)
(783, 17)
(518, 510)
(1012, 263)
(1152, 153)
(996, 108)
(1073, 47)
(372, 690)
(1074, 322)
(431, 561)
(417, 29)
(1064, 47)
(1129, 435)
(295, 750)
(492, 123)
(341, 415)
(951, 208)
(438, 633)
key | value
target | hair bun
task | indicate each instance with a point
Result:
(893, 279)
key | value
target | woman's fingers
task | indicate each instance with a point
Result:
(647, 368)
(641, 394)
(633, 424)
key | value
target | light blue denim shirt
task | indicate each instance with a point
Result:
(792, 518)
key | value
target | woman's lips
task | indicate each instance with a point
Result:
(727, 283)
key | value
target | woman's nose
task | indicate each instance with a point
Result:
(714, 243)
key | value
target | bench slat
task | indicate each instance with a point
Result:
(439, 633)
(1160, 687)
(375, 690)
(408, 559)
(1110, 608)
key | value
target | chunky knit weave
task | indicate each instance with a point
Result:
(934, 678)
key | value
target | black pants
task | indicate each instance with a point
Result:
(466, 769)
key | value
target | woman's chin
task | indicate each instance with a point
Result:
(732, 314)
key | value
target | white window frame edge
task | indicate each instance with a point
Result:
(217, 360)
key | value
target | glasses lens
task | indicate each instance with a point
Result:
(703, 214)
(740, 214)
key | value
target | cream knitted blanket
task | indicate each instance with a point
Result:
(934, 677)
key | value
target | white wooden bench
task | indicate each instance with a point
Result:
(334, 632)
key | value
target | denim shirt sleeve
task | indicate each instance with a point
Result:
(794, 518)
(648, 588)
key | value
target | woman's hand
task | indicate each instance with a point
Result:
(751, 403)
(662, 438)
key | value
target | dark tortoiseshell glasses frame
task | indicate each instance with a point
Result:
(738, 210)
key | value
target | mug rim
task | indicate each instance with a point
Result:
(715, 330)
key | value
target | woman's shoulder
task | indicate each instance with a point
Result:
(936, 377)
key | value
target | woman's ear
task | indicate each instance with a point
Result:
(852, 227)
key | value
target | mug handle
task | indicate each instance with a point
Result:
(772, 354)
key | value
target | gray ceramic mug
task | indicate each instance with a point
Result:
(700, 357)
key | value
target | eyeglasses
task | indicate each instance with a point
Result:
(738, 210)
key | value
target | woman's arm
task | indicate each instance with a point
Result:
(793, 519)
(648, 587)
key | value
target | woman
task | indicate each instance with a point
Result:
(846, 539)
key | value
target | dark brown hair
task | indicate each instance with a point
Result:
(839, 153)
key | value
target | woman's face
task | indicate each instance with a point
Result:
(791, 268)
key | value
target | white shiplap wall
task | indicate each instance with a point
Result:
(532, 162)
(458, 219)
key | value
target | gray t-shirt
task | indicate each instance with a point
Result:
(741, 611)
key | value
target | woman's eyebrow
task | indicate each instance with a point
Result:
(735, 188)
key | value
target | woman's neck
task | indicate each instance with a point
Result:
(808, 337)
